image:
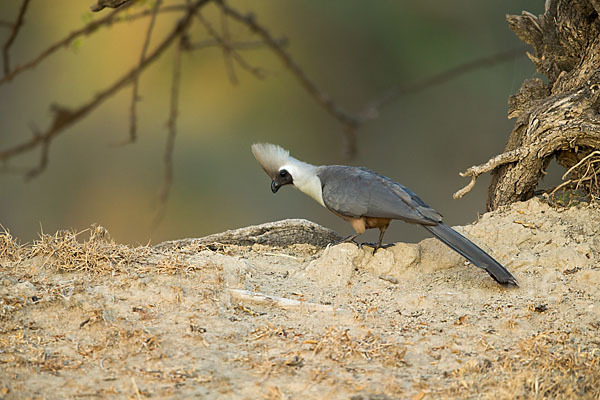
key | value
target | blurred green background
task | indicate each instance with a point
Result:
(354, 50)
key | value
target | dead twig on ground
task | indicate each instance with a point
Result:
(281, 302)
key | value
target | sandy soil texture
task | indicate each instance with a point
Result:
(84, 317)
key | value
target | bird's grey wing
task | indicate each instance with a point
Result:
(343, 190)
(390, 199)
(359, 192)
(410, 198)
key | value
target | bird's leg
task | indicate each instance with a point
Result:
(381, 233)
(378, 245)
(349, 239)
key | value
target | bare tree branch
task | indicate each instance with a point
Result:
(227, 50)
(230, 53)
(63, 117)
(349, 121)
(149, 12)
(136, 80)
(86, 30)
(101, 4)
(247, 45)
(172, 126)
(13, 35)
(476, 170)
(371, 110)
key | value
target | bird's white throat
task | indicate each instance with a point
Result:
(305, 178)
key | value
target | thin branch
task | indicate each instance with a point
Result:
(63, 117)
(230, 53)
(149, 12)
(349, 121)
(248, 45)
(13, 35)
(227, 50)
(43, 163)
(136, 80)
(371, 110)
(86, 30)
(101, 4)
(499, 160)
(172, 126)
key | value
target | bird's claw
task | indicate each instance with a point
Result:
(360, 245)
(375, 246)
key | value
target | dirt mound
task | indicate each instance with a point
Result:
(92, 318)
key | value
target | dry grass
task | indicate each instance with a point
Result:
(87, 317)
(98, 253)
(335, 344)
(93, 250)
(547, 365)
(10, 250)
(339, 345)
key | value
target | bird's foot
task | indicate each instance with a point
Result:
(375, 246)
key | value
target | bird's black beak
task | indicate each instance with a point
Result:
(275, 186)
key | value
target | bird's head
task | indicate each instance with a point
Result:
(286, 170)
(277, 163)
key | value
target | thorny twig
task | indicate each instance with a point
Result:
(136, 80)
(13, 35)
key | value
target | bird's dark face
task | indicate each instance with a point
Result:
(283, 177)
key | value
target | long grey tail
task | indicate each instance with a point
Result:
(471, 252)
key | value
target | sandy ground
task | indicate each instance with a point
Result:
(84, 317)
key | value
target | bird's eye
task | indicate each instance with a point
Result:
(283, 173)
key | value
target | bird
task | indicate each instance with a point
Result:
(369, 200)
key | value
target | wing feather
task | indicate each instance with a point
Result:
(359, 192)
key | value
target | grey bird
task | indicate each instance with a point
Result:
(369, 200)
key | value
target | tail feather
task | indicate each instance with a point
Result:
(472, 252)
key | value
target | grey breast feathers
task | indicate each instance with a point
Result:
(359, 192)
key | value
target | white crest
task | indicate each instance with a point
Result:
(273, 158)
(270, 157)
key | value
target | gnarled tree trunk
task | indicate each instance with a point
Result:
(560, 118)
